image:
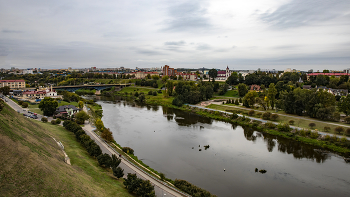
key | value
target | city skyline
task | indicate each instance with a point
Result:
(269, 34)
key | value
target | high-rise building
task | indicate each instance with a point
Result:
(169, 71)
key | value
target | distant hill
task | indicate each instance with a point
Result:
(31, 163)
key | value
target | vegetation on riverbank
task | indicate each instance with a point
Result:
(333, 143)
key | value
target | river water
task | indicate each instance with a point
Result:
(169, 141)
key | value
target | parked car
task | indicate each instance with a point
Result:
(24, 114)
(35, 117)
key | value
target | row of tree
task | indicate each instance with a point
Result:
(94, 150)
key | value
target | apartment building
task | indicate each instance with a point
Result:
(13, 84)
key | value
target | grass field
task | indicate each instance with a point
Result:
(33, 165)
(298, 121)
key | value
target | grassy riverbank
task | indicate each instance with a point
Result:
(33, 165)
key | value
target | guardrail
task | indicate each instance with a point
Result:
(150, 175)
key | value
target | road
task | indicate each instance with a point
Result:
(161, 188)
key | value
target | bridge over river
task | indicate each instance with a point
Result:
(73, 88)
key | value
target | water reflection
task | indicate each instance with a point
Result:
(182, 118)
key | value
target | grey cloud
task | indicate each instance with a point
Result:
(148, 52)
(11, 31)
(304, 12)
(203, 47)
(286, 47)
(179, 43)
(187, 16)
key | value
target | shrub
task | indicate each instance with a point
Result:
(347, 132)
(150, 92)
(312, 125)
(302, 132)
(155, 93)
(314, 135)
(258, 114)
(334, 138)
(343, 139)
(326, 129)
(270, 125)
(54, 117)
(291, 122)
(266, 115)
(347, 119)
(53, 121)
(58, 121)
(307, 132)
(251, 112)
(136, 94)
(283, 127)
(44, 119)
(24, 104)
(336, 116)
(339, 129)
(236, 102)
(104, 160)
(234, 116)
(274, 116)
(327, 137)
(128, 150)
(20, 102)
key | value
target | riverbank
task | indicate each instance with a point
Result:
(328, 142)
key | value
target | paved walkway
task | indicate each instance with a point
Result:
(259, 119)
(161, 188)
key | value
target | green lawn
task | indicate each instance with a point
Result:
(33, 165)
(283, 119)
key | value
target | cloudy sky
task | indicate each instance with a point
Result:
(249, 34)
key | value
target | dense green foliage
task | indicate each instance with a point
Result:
(191, 189)
(189, 92)
(138, 186)
(48, 106)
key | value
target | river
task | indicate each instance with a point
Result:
(169, 141)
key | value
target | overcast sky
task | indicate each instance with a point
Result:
(249, 34)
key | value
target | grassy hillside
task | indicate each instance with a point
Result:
(32, 164)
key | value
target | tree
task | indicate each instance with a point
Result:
(169, 87)
(145, 189)
(24, 104)
(339, 129)
(312, 125)
(141, 98)
(271, 94)
(347, 119)
(344, 105)
(148, 76)
(155, 77)
(132, 182)
(233, 79)
(347, 132)
(43, 119)
(81, 104)
(250, 97)
(118, 172)
(48, 106)
(274, 117)
(115, 161)
(81, 117)
(213, 73)
(104, 160)
(5, 90)
(107, 135)
(242, 90)
(99, 124)
(1, 104)
(165, 78)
